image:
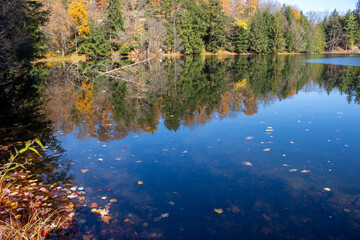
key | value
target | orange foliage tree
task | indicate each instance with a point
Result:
(59, 27)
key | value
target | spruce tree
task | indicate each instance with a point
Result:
(278, 34)
(114, 18)
(349, 27)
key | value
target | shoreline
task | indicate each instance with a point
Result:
(82, 58)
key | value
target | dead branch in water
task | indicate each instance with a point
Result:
(127, 66)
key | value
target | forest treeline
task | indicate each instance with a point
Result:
(99, 28)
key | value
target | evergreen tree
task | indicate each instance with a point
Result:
(319, 43)
(192, 28)
(308, 37)
(20, 36)
(215, 36)
(260, 32)
(241, 41)
(349, 27)
(334, 30)
(114, 18)
(278, 33)
(96, 44)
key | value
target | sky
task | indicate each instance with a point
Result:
(321, 5)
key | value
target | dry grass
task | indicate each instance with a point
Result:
(37, 226)
(30, 223)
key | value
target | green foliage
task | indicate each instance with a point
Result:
(260, 32)
(350, 29)
(12, 165)
(191, 29)
(319, 43)
(215, 20)
(278, 34)
(96, 44)
(20, 35)
(241, 41)
(114, 16)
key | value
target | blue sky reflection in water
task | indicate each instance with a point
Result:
(266, 170)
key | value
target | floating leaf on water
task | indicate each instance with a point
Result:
(246, 163)
(164, 215)
(81, 198)
(106, 219)
(103, 198)
(94, 205)
(266, 149)
(133, 155)
(118, 159)
(73, 189)
(285, 165)
(249, 138)
(291, 142)
(347, 210)
(56, 155)
(305, 171)
(94, 210)
(139, 161)
(84, 170)
(293, 170)
(171, 203)
(110, 189)
(218, 210)
(80, 188)
(104, 145)
(126, 220)
(113, 200)
(100, 159)
(186, 151)
(140, 182)
(327, 189)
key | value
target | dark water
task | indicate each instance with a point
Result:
(272, 141)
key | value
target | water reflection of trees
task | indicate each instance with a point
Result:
(184, 92)
(22, 120)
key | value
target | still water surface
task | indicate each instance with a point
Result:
(271, 141)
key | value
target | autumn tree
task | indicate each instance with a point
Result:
(79, 16)
(59, 28)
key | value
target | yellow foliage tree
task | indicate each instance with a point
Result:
(226, 6)
(246, 8)
(79, 15)
(296, 14)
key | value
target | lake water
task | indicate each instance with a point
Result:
(270, 143)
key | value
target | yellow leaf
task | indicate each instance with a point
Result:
(140, 182)
(218, 210)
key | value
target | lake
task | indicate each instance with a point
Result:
(241, 147)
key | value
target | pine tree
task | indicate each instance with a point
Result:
(260, 32)
(278, 34)
(216, 30)
(334, 30)
(349, 27)
(115, 18)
